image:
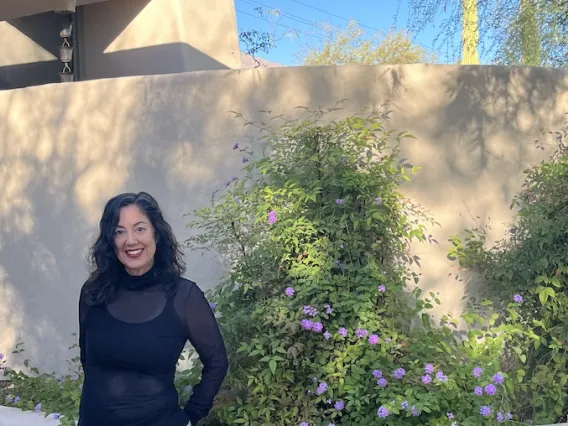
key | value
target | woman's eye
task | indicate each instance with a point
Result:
(140, 229)
(118, 232)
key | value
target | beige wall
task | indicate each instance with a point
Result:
(10, 9)
(65, 149)
(146, 37)
(29, 50)
(119, 38)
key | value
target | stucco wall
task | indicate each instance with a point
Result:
(29, 50)
(118, 38)
(65, 149)
(145, 37)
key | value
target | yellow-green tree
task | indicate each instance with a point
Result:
(352, 45)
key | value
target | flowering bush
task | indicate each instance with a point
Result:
(317, 310)
(56, 395)
(533, 262)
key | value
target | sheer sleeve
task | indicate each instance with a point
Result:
(82, 315)
(205, 336)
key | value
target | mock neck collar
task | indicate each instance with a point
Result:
(139, 282)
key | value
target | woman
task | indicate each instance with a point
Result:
(136, 313)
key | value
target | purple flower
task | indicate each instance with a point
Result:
(342, 331)
(415, 411)
(244, 160)
(382, 382)
(373, 339)
(500, 417)
(304, 424)
(404, 405)
(450, 416)
(322, 388)
(236, 146)
(16, 399)
(379, 201)
(339, 201)
(399, 373)
(328, 309)
(1, 356)
(426, 379)
(382, 412)
(509, 416)
(317, 327)
(485, 411)
(327, 335)
(490, 389)
(212, 305)
(378, 374)
(307, 324)
(310, 310)
(477, 372)
(272, 217)
(498, 379)
(441, 377)
(382, 288)
(38, 408)
(339, 405)
(289, 291)
(517, 298)
(428, 368)
(361, 333)
(9, 399)
(388, 340)
(478, 391)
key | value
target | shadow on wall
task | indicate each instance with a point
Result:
(475, 129)
(42, 31)
(172, 136)
(154, 60)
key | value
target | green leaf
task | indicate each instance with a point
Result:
(272, 365)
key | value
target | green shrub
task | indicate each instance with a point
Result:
(318, 320)
(533, 262)
(56, 395)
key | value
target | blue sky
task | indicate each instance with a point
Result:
(302, 17)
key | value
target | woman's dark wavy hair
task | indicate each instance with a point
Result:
(106, 269)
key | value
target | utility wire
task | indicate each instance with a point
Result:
(308, 22)
(285, 14)
(279, 24)
(334, 15)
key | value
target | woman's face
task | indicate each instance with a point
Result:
(134, 241)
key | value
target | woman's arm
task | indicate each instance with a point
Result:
(204, 335)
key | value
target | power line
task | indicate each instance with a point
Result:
(279, 24)
(333, 14)
(285, 14)
(311, 23)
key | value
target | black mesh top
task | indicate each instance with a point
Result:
(129, 350)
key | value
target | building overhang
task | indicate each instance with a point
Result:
(11, 9)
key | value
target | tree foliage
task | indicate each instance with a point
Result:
(511, 32)
(353, 45)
